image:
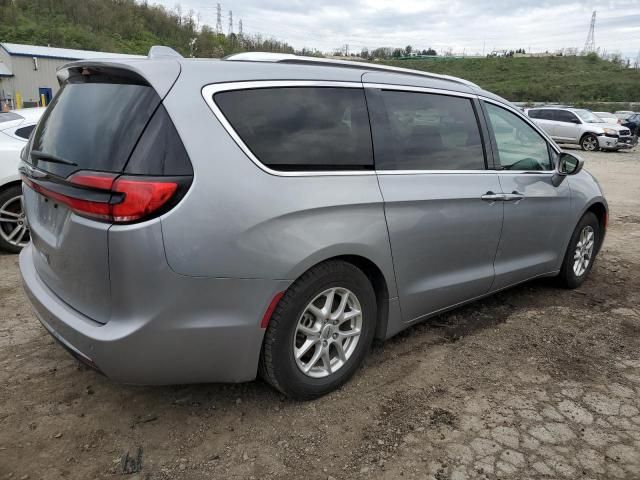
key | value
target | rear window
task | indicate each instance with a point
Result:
(302, 128)
(93, 124)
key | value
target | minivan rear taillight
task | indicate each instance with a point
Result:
(110, 197)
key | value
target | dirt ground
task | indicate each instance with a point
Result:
(535, 382)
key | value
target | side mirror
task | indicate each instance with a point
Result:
(568, 164)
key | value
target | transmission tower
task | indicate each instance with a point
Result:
(219, 20)
(230, 22)
(240, 27)
(590, 44)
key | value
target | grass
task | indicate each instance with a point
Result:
(546, 79)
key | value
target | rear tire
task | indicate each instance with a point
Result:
(14, 231)
(319, 331)
(581, 252)
(589, 143)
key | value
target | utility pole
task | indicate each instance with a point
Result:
(219, 20)
(590, 44)
(230, 22)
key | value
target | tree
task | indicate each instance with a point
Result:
(407, 50)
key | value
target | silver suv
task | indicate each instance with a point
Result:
(581, 127)
(206, 220)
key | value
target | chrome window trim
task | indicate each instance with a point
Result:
(209, 91)
(411, 88)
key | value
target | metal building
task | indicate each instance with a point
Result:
(28, 72)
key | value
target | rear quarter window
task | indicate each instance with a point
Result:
(302, 128)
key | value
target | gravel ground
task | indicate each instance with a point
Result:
(535, 382)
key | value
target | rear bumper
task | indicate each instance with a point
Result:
(214, 336)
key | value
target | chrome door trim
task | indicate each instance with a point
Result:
(208, 92)
(410, 88)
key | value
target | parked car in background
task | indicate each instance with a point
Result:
(623, 114)
(608, 117)
(632, 122)
(274, 213)
(581, 127)
(15, 128)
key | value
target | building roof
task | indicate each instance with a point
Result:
(4, 71)
(62, 53)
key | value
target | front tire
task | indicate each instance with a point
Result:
(320, 332)
(581, 252)
(14, 230)
(589, 143)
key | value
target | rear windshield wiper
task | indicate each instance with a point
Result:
(47, 157)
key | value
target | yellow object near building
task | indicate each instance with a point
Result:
(43, 102)
(18, 100)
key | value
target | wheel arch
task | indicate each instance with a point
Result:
(13, 182)
(383, 287)
(599, 209)
(586, 134)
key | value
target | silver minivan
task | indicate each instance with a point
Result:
(207, 220)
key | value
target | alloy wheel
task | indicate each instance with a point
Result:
(327, 332)
(584, 251)
(13, 223)
(590, 143)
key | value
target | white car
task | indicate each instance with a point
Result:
(15, 128)
(608, 117)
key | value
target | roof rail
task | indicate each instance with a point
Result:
(158, 51)
(330, 62)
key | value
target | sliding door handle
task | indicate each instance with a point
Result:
(493, 197)
(514, 196)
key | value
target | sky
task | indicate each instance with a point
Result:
(459, 26)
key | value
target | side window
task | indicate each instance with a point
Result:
(302, 128)
(546, 114)
(566, 117)
(429, 132)
(520, 147)
(24, 132)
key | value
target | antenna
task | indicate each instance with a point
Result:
(219, 20)
(590, 44)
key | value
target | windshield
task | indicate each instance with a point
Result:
(588, 117)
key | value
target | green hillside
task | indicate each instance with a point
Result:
(123, 26)
(559, 79)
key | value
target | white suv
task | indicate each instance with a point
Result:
(15, 128)
(581, 127)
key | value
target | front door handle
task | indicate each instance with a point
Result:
(493, 197)
(514, 196)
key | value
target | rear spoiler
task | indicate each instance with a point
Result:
(160, 69)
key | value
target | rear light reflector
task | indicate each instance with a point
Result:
(270, 309)
(109, 197)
